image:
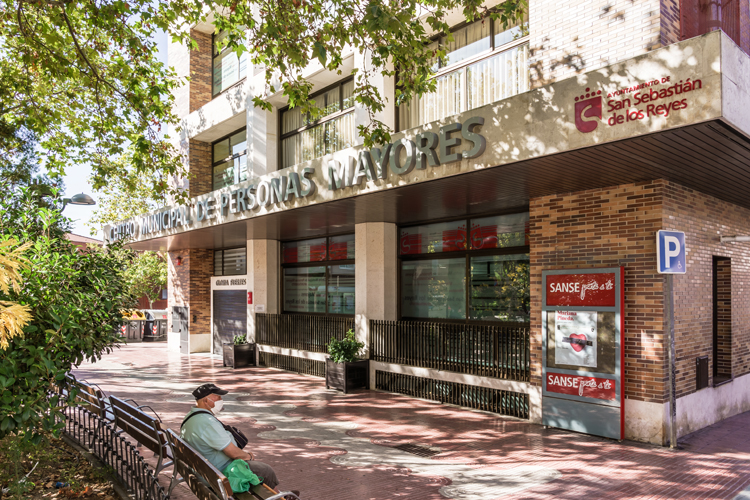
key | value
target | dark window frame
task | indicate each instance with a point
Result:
(320, 263)
(214, 55)
(463, 64)
(467, 254)
(223, 262)
(337, 114)
(232, 157)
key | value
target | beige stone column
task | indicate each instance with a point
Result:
(375, 276)
(262, 280)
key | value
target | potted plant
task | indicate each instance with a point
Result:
(344, 370)
(239, 353)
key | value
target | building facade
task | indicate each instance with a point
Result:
(560, 145)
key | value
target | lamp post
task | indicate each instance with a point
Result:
(78, 199)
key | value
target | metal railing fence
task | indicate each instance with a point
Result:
(98, 435)
(499, 351)
(305, 332)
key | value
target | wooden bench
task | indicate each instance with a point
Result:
(90, 397)
(144, 428)
(207, 482)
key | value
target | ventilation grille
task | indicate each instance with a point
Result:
(418, 450)
(293, 364)
(509, 403)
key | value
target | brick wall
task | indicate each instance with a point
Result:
(200, 290)
(704, 219)
(190, 284)
(201, 71)
(723, 302)
(201, 171)
(616, 227)
(670, 21)
(607, 228)
(574, 37)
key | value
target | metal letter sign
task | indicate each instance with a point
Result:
(670, 252)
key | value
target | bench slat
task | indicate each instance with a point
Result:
(185, 455)
(141, 426)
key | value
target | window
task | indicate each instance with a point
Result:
(164, 295)
(318, 275)
(227, 66)
(230, 261)
(482, 274)
(303, 140)
(230, 160)
(484, 63)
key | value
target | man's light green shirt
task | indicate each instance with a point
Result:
(206, 434)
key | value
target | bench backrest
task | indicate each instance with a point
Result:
(189, 462)
(144, 428)
(89, 396)
(200, 489)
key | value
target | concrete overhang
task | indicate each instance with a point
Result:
(536, 147)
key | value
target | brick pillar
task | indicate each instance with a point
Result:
(189, 285)
(610, 227)
(201, 71)
(723, 301)
(201, 170)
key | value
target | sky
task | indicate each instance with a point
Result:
(77, 177)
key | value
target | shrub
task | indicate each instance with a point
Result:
(240, 339)
(343, 351)
(75, 298)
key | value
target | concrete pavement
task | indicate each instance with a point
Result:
(378, 446)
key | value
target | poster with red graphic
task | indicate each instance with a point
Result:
(575, 338)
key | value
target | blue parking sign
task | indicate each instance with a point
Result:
(670, 252)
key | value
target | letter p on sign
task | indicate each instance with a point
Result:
(670, 252)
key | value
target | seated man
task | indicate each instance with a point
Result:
(207, 435)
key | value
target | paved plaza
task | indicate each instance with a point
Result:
(333, 446)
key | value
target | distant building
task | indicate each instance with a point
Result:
(84, 242)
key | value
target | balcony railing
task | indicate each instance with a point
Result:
(305, 332)
(499, 351)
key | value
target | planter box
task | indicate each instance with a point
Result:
(347, 376)
(238, 356)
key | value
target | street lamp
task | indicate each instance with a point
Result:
(78, 199)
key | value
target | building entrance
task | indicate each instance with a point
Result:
(229, 316)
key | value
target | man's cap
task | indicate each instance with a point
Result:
(206, 390)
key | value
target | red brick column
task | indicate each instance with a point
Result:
(201, 170)
(189, 284)
(201, 71)
(607, 228)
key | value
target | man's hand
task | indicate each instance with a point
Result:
(237, 454)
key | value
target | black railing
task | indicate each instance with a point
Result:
(499, 351)
(509, 403)
(300, 331)
(98, 436)
(293, 364)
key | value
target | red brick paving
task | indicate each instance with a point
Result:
(715, 462)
